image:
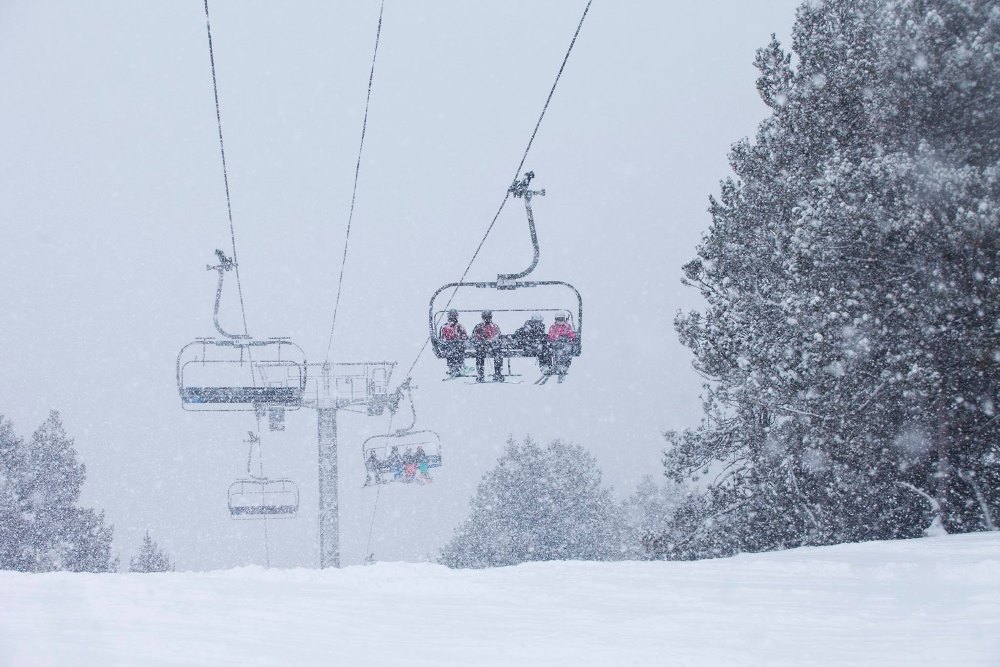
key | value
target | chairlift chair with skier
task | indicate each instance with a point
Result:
(405, 455)
(510, 299)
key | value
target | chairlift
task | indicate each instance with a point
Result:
(406, 455)
(238, 372)
(401, 456)
(262, 498)
(511, 300)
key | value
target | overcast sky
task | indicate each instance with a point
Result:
(112, 203)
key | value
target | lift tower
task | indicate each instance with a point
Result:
(362, 386)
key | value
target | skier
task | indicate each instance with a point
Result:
(453, 337)
(486, 338)
(374, 469)
(531, 338)
(409, 466)
(561, 337)
(423, 465)
(395, 464)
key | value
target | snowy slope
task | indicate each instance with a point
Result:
(933, 601)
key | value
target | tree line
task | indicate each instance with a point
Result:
(548, 503)
(42, 526)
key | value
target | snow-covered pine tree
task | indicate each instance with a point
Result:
(538, 504)
(45, 479)
(852, 274)
(150, 558)
(945, 56)
(647, 513)
(14, 551)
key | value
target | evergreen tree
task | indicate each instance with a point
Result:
(150, 558)
(14, 551)
(48, 531)
(647, 514)
(852, 276)
(538, 504)
(11, 524)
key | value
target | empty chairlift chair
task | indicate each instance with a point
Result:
(257, 497)
(238, 372)
(262, 498)
(241, 374)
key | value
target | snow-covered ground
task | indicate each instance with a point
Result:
(933, 601)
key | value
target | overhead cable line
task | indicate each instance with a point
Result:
(517, 172)
(371, 526)
(225, 172)
(354, 191)
(260, 467)
(236, 263)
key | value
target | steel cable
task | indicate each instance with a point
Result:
(354, 190)
(225, 171)
(236, 264)
(371, 526)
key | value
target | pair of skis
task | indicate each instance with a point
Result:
(546, 376)
(471, 379)
(508, 379)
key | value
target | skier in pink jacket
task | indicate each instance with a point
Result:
(486, 338)
(561, 337)
(453, 337)
(561, 330)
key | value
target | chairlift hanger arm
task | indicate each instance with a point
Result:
(520, 189)
(394, 405)
(250, 459)
(225, 264)
(252, 439)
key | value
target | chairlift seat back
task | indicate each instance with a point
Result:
(512, 305)
(241, 374)
(383, 446)
(259, 498)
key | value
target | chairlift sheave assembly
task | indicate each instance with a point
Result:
(238, 372)
(256, 497)
(511, 301)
